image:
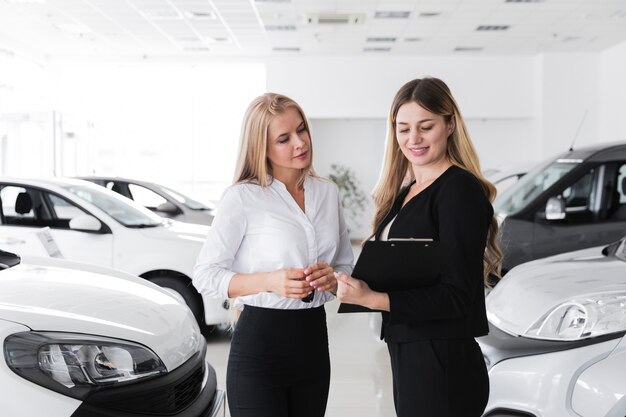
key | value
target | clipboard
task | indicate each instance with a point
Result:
(397, 264)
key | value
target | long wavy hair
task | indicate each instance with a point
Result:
(433, 95)
(253, 165)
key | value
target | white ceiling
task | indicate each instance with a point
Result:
(188, 29)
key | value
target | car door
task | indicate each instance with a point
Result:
(587, 219)
(35, 220)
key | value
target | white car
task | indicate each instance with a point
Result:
(505, 176)
(557, 344)
(82, 341)
(81, 221)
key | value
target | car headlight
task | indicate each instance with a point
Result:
(583, 317)
(78, 364)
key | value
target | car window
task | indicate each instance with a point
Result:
(577, 197)
(145, 197)
(9, 195)
(63, 208)
(621, 177)
(186, 200)
(123, 210)
(520, 194)
(32, 207)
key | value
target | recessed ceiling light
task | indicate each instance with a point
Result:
(376, 49)
(272, 1)
(493, 27)
(524, 1)
(280, 27)
(381, 39)
(392, 15)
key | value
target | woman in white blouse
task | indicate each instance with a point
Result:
(275, 243)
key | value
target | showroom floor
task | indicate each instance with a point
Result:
(360, 384)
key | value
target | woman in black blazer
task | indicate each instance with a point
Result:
(431, 187)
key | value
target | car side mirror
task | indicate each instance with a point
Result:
(555, 209)
(85, 223)
(167, 207)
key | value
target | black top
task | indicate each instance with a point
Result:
(454, 210)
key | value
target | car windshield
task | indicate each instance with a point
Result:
(120, 208)
(183, 199)
(531, 185)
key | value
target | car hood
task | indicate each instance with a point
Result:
(50, 298)
(172, 229)
(532, 289)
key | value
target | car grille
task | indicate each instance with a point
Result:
(168, 400)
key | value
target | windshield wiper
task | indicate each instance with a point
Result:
(142, 225)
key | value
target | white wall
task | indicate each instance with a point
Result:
(612, 102)
(519, 110)
(568, 108)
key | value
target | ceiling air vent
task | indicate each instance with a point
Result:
(493, 28)
(392, 15)
(334, 18)
(429, 14)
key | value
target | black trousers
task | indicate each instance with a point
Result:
(279, 364)
(439, 378)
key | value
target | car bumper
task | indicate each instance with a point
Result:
(542, 380)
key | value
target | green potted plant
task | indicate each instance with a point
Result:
(353, 199)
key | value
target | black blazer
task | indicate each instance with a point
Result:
(455, 210)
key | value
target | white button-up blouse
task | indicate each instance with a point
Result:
(259, 229)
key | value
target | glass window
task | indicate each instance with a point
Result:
(9, 196)
(577, 197)
(64, 209)
(531, 185)
(120, 208)
(145, 197)
(621, 177)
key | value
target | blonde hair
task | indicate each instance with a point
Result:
(433, 95)
(252, 162)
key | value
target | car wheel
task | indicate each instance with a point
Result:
(187, 291)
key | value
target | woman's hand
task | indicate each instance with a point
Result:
(289, 282)
(321, 276)
(354, 291)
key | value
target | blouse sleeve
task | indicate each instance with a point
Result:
(212, 272)
(463, 214)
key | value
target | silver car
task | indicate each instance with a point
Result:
(160, 199)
